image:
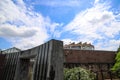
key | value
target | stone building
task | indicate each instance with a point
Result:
(75, 55)
(19, 65)
(79, 46)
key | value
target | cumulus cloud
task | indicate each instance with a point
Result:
(23, 27)
(107, 44)
(97, 23)
(96, 1)
(11, 31)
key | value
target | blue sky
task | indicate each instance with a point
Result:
(28, 23)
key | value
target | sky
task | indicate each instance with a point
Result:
(28, 23)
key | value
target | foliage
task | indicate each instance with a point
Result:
(78, 73)
(116, 67)
(118, 50)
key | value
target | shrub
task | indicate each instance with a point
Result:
(116, 68)
(78, 73)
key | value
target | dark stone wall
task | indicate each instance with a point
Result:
(48, 62)
(89, 56)
(2, 62)
(99, 62)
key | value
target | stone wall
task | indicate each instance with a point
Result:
(89, 56)
(2, 62)
(48, 63)
(99, 62)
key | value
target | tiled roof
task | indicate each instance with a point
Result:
(80, 44)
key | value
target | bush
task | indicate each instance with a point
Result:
(116, 68)
(78, 73)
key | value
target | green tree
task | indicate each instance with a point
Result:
(118, 50)
(116, 67)
(78, 73)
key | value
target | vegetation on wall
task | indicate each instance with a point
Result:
(78, 73)
(116, 67)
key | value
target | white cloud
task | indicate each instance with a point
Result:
(25, 28)
(22, 26)
(108, 45)
(11, 31)
(96, 23)
(96, 1)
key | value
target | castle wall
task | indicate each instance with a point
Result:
(89, 56)
(99, 62)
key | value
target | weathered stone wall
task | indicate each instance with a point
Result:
(2, 62)
(48, 63)
(99, 62)
(11, 61)
(89, 56)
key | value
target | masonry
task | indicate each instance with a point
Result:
(48, 58)
(99, 62)
(2, 62)
(48, 63)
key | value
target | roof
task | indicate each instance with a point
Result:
(11, 50)
(80, 44)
